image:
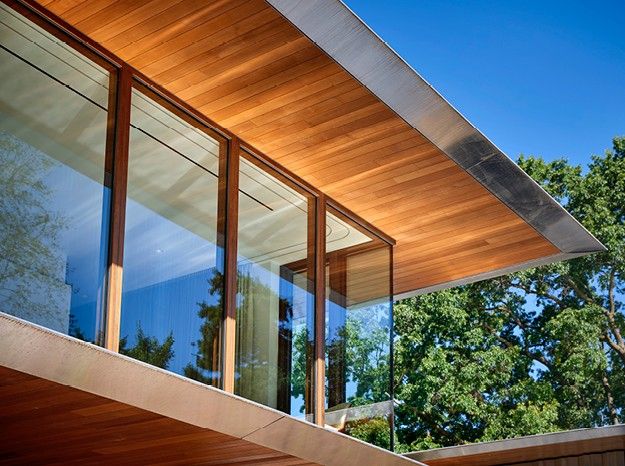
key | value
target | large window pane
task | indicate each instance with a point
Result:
(173, 266)
(53, 201)
(358, 332)
(275, 329)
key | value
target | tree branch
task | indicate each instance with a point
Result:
(544, 294)
(583, 294)
(530, 354)
(617, 344)
(609, 398)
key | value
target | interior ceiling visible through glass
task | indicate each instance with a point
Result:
(69, 132)
(280, 240)
(61, 131)
(186, 212)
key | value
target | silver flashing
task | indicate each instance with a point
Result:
(351, 43)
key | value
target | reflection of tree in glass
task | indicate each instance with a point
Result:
(364, 345)
(367, 364)
(206, 366)
(148, 349)
(29, 235)
(253, 368)
(366, 341)
(301, 344)
(366, 358)
(75, 330)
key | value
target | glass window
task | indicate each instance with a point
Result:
(275, 328)
(358, 332)
(54, 203)
(173, 266)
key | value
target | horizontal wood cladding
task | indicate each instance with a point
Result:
(48, 423)
(553, 458)
(243, 65)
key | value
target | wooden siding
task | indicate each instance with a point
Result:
(244, 66)
(48, 423)
(607, 458)
(611, 458)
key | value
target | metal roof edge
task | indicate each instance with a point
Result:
(340, 33)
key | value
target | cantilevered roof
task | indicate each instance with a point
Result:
(310, 85)
(71, 402)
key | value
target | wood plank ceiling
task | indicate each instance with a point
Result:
(52, 423)
(246, 67)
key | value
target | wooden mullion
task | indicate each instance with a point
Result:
(118, 142)
(229, 213)
(307, 266)
(391, 350)
(320, 310)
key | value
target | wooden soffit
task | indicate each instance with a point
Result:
(312, 87)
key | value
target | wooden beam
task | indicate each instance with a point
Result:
(320, 310)
(391, 375)
(118, 141)
(308, 267)
(228, 230)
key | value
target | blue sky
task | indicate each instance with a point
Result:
(537, 77)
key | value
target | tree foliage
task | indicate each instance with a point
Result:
(30, 232)
(149, 349)
(532, 352)
(206, 366)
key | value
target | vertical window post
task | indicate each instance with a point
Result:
(228, 213)
(117, 146)
(391, 354)
(320, 310)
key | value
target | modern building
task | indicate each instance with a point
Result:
(221, 199)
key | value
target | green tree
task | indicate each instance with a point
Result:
(206, 369)
(367, 357)
(535, 351)
(30, 235)
(148, 349)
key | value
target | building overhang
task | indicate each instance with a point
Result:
(311, 86)
(67, 400)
